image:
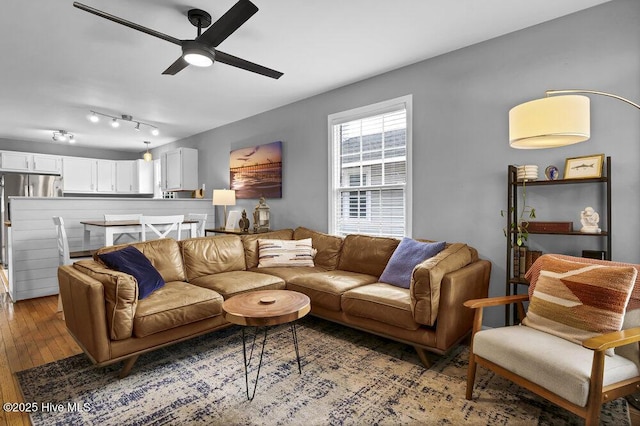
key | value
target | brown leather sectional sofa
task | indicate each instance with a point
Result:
(103, 313)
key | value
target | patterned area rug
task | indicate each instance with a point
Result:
(348, 377)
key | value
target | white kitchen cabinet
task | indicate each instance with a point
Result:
(106, 175)
(143, 177)
(125, 176)
(79, 174)
(43, 163)
(15, 161)
(12, 161)
(180, 170)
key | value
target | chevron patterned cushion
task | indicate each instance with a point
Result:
(576, 300)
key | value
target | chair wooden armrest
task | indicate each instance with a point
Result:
(613, 339)
(478, 304)
(496, 301)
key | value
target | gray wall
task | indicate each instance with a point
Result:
(57, 148)
(460, 135)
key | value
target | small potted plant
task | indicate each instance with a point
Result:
(520, 225)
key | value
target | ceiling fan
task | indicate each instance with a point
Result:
(201, 51)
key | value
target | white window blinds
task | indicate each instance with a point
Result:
(370, 171)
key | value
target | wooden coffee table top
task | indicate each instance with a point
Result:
(266, 307)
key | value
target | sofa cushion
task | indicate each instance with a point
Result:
(164, 254)
(565, 369)
(576, 300)
(405, 257)
(427, 277)
(120, 294)
(289, 272)
(325, 289)
(236, 282)
(365, 254)
(250, 243)
(176, 304)
(283, 253)
(212, 255)
(328, 246)
(381, 302)
(131, 261)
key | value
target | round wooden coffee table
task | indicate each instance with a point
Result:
(264, 308)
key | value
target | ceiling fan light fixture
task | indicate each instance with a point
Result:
(197, 54)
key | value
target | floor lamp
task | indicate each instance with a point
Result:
(555, 120)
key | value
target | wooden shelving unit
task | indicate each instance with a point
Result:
(513, 188)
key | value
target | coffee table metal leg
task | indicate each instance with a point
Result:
(295, 343)
(247, 362)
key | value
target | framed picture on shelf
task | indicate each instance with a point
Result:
(586, 167)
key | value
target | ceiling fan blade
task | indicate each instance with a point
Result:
(234, 61)
(176, 67)
(129, 24)
(228, 23)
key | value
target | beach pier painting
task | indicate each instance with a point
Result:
(257, 171)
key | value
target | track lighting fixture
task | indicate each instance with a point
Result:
(63, 136)
(94, 117)
(147, 155)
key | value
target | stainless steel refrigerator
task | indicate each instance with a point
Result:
(24, 185)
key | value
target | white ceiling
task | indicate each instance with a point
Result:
(58, 62)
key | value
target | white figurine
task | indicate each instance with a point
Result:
(589, 219)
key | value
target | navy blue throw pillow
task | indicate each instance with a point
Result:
(407, 255)
(131, 261)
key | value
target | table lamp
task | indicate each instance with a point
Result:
(224, 197)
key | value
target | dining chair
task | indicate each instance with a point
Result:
(133, 216)
(202, 220)
(64, 255)
(168, 224)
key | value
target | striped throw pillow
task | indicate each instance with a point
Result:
(278, 253)
(576, 301)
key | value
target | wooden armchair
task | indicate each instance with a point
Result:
(577, 378)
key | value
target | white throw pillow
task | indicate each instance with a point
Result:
(278, 253)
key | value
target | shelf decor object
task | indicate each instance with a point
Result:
(261, 216)
(549, 227)
(586, 167)
(555, 120)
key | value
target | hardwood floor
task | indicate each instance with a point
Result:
(32, 333)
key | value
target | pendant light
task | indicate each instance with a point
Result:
(147, 155)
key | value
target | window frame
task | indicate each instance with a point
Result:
(402, 102)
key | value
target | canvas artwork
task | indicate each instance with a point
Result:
(257, 171)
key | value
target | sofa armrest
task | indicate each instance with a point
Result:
(427, 277)
(84, 310)
(454, 319)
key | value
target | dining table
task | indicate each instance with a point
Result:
(111, 228)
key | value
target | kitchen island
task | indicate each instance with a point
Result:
(32, 253)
